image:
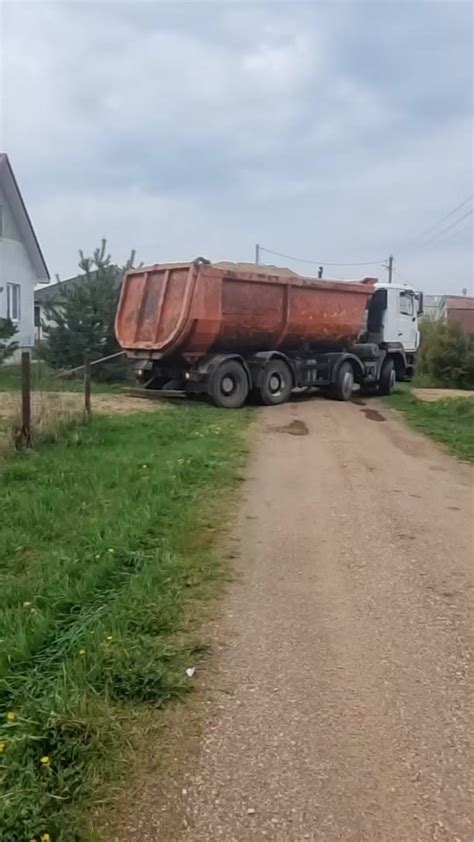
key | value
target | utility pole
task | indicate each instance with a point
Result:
(390, 268)
(320, 271)
(257, 253)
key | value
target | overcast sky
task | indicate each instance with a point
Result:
(338, 132)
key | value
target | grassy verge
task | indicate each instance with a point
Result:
(449, 421)
(104, 555)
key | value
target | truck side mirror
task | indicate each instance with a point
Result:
(419, 298)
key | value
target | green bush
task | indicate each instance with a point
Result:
(446, 355)
(8, 346)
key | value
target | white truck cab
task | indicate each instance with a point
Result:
(400, 319)
(391, 329)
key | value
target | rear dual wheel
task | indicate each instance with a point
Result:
(276, 383)
(229, 385)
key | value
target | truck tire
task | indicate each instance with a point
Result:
(387, 378)
(341, 389)
(276, 383)
(229, 385)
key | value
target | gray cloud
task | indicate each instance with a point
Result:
(337, 131)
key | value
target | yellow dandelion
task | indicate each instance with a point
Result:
(45, 760)
(2, 746)
(45, 837)
(82, 651)
(11, 716)
(109, 637)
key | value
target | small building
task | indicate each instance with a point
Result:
(53, 294)
(451, 309)
(22, 265)
(459, 309)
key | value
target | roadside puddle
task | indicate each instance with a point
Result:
(373, 415)
(295, 428)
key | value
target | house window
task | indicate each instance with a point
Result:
(13, 302)
(406, 303)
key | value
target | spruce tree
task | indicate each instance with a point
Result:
(80, 320)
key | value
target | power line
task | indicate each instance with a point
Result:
(443, 218)
(445, 230)
(403, 280)
(321, 262)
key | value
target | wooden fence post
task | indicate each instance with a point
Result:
(25, 399)
(87, 388)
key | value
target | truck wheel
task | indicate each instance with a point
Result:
(387, 378)
(276, 383)
(229, 385)
(342, 387)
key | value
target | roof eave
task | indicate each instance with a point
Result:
(37, 258)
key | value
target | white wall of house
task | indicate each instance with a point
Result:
(16, 268)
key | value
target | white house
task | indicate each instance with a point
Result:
(22, 264)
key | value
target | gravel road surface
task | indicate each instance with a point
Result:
(338, 705)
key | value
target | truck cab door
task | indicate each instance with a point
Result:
(408, 333)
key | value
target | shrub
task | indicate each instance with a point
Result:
(7, 345)
(447, 355)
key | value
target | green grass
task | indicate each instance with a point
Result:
(105, 559)
(449, 421)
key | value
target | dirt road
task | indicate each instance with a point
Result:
(339, 704)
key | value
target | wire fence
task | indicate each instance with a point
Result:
(37, 403)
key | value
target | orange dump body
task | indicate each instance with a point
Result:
(191, 309)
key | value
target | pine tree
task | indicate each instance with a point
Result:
(80, 321)
(7, 345)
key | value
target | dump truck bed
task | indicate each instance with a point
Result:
(192, 309)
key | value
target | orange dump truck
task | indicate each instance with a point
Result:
(229, 329)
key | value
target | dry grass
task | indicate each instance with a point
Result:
(431, 395)
(52, 412)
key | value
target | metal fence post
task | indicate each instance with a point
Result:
(87, 387)
(25, 399)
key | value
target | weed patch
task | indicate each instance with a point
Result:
(450, 421)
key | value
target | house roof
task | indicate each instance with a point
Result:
(51, 292)
(459, 302)
(18, 208)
